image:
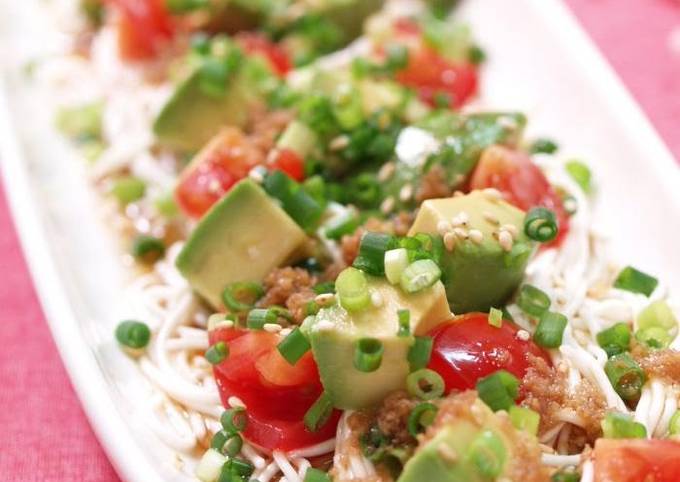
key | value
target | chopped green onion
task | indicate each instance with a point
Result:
(311, 308)
(425, 384)
(347, 107)
(580, 173)
(397, 56)
(396, 261)
(298, 204)
(495, 317)
(128, 189)
(421, 417)
(419, 275)
(498, 390)
(148, 249)
(81, 123)
(419, 353)
(524, 419)
(166, 206)
(217, 353)
(232, 446)
(404, 318)
(625, 375)
(242, 295)
(654, 337)
(352, 289)
(615, 339)
(368, 354)
(619, 425)
(218, 440)
(563, 476)
(658, 314)
(184, 6)
(543, 146)
(476, 55)
(533, 301)
(630, 279)
(316, 475)
(294, 346)
(259, 317)
(371, 257)
(236, 470)
(540, 225)
(323, 288)
(488, 454)
(234, 420)
(318, 413)
(133, 334)
(674, 424)
(342, 225)
(210, 466)
(550, 330)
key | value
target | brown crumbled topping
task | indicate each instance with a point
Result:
(393, 417)
(289, 287)
(664, 364)
(433, 185)
(266, 126)
(350, 446)
(349, 245)
(397, 225)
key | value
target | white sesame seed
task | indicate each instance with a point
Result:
(523, 335)
(339, 142)
(464, 217)
(271, 327)
(492, 194)
(285, 331)
(505, 240)
(387, 205)
(476, 236)
(460, 233)
(406, 192)
(214, 186)
(256, 175)
(489, 217)
(443, 227)
(323, 325)
(376, 299)
(386, 171)
(235, 402)
(325, 299)
(450, 241)
(512, 229)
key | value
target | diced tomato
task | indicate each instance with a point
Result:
(288, 161)
(226, 159)
(637, 460)
(277, 395)
(144, 26)
(404, 26)
(521, 182)
(431, 75)
(468, 348)
(257, 44)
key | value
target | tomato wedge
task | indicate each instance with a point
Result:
(277, 395)
(637, 460)
(144, 26)
(224, 161)
(521, 182)
(468, 348)
(289, 162)
(257, 44)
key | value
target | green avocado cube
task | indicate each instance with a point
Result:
(487, 250)
(242, 238)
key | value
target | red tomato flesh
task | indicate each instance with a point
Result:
(468, 348)
(257, 44)
(637, 460)
(144, 26)
(290, 163)
(521, 182)
(276, 394)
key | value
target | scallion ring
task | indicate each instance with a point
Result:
(368, 354)
(420, 352)
(352, 289)
(242, 295)
(425, 384)
(217, 353)
(421, 417)
(625, 375)
(259, 317)
(133, 334)
(232, 445)
(540, 225)
(234, 420)
(319, 413)
(533, 301)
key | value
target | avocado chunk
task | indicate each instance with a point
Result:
(242, 238)
(482, 269)
(469, 443)
(334, 333)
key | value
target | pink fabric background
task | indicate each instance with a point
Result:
(46, 436)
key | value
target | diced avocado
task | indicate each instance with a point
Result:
(334, 333)
(242, 238)
(192, 116)
(483, 270)
(471, 445)
(299, 138)
(348, 15)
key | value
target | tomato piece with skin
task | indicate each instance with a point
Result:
(227, 159)
(468, 348)
(144, 26)
(277, 395)
(257, 44)
(289, 162)
(637, 460)
(521, 182)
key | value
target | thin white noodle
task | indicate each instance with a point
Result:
(588, 472)
(284, 464)
(556, 460)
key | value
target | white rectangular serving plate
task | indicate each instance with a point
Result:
(540, 61)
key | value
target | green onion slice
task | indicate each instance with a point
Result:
(524, 419)
(234, 420)
(658, 314)
(342, 225)
(368, 354)
(316, 475)
(294, 346)
(580, 173)
(371, 257)
(133, 334)
(128, 189)
(619, 425)
(318, 413)
(488, 454)
(419, 275)
(236, 469)
(218, 440)
(674, 424)
(540, 225)
(625, 375)
(242, 295)
(654, 337)
(533, 301)
(396, 261)
(550, 330)
(630, 279)
(404, 319)
(232, 445)
(615, 339)
(352, 289)
(148, 249)
(498, 390)
(421, 417)
(543, 146)
(425, 384)
(495, 317)
(259, 317)
(420, 352)
(217, 353)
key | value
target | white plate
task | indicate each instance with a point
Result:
(540, 61)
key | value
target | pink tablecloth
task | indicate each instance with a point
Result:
(45, 434)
